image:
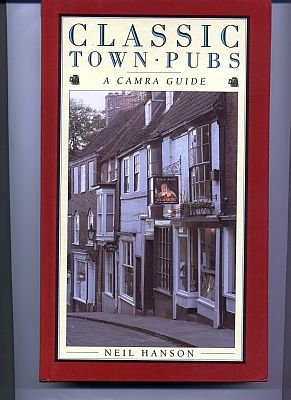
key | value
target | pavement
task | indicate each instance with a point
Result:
(181, 333)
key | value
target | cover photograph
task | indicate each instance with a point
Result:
(154, 191)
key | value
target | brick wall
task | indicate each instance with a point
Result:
(83, 202)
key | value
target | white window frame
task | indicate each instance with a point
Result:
(109, 171)
(124, 242)
(126, 175)
(215, 271)
(115, 168)
(109, 269)
(164, 260)
(184, 236)
(229, 261)
(89, 270)
(201, 165)
(148, 112)
(136, 171)
(77, 260)
(83, 178)
(91, 177)
(101, 232)
(76, 227)
(76, 180)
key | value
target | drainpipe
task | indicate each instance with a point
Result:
(221, 298)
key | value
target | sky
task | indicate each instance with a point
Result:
(93, 98)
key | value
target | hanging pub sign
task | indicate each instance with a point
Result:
(166, 190)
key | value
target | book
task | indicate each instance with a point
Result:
(154, 161)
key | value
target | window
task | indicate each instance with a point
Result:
(83, 178)
(164, 259)
(104, 172)
(109, 272)
(148, 112)
(207, 263)
(187, 259)
(112, 173)
(81, 280)
(90, 219)
(199, 156)
(75, 178)
(229, 250)
(136, 172)
(183, 264)
(126, 175)
(109, 212)
(76, 227)
(115, 168)
(127, 269)
(105, 214)
(91, 174)
(90, 222)
(109, 171)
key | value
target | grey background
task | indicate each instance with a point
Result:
(24, 135)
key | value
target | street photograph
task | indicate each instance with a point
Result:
(152, 219)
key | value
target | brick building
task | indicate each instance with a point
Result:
(194, 252)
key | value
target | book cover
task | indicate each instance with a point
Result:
(154, 167)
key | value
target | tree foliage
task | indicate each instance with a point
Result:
(84, 123)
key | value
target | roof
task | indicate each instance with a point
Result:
(187, 107)
(127, 129)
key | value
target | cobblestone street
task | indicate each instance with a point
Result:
(82, 332)
(107, 329)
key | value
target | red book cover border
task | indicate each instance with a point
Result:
(254, 367)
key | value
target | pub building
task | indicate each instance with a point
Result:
(194, 240)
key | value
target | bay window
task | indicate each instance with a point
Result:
(187, 260)
(207, 263)
(183, 264)
(105, 214)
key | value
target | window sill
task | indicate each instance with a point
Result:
(108, 294)
(229, 295)
(183, 293)
(127, 299)
(80, 300)
(162, 291)
(206, 302)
